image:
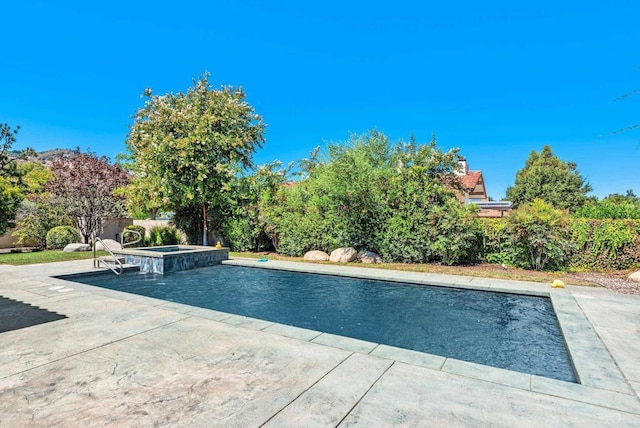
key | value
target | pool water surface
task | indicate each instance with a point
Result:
(509, 331)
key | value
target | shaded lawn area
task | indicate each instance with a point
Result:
(47, 256)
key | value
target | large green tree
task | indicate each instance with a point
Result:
(189, 146)
(547, 177)
(10, 194)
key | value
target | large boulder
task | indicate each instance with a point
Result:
(635, 276)
(316, 256)
(370, 257)
(343, 255)
(72, 248)
(110, 243)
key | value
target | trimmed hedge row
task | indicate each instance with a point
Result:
(602, 244)
(595, 243)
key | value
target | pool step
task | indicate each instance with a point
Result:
(110, 260)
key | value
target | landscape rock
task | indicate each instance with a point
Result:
(316, 256)
(370, 257)
(72, 248)
(343, 255)
(110, 243)
(634, 276)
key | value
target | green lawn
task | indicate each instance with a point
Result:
(47, 256)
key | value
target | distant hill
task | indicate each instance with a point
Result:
(44, 156)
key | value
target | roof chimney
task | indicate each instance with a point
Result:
(463, 167)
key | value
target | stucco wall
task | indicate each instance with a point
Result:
(112, 228)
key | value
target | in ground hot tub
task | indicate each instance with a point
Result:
(171, 258)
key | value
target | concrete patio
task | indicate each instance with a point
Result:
(120, 359)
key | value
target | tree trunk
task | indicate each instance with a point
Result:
(205, 230)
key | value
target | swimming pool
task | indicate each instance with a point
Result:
(508, 331)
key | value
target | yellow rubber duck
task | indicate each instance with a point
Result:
(557, 284)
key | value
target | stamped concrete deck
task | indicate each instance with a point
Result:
(119, 359)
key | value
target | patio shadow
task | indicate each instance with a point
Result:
(15, 315)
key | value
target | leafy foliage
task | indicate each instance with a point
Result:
(613, 206)
(398, 200)
(10, 197)
(10, 194)
(37, 213)
(187, 147)
(605, 243)
(188, 218)
(36, 216)
(83, 186)
(244, 226)
(539, 236)
(496, 246)
(164, 235)
(546, 177)
(7, 138)
(61, 236)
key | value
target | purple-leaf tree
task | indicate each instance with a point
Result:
(84, 185)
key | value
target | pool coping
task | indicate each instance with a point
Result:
(601, 382)
(598, 375)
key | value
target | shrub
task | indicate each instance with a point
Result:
(607, 209)
(449, 234)
(495, 247)
(406, 238)
(164, 235)
(238, 232)
(538, 236)
(61, 236)
(36, 216)
(298, 235)
(131, 237)
(605, 244)
(458, 233)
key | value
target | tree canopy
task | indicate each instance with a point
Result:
(547, 177)
(10, 194)
(186, 148)
(84, 186)
(395, 199)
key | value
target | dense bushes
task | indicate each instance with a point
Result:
(603, 244)
(164, 235)
(61, 236)
(400, 201)
(608, 210)
(538, 236)
(397, 200)
(588, 243)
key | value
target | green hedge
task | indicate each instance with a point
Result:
(495, 242)
(595, 243)
(605, 244)
(164, 235)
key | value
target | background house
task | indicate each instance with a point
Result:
(475, 192)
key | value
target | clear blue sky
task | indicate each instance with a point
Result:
(495, 78)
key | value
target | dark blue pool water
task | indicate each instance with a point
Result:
(509, 331)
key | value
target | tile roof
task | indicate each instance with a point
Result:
(470, 180)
